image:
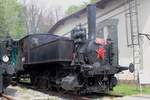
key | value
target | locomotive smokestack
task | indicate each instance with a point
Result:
(91, 9)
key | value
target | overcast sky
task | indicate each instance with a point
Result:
(64, 4)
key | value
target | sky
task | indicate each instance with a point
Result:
(64, 4)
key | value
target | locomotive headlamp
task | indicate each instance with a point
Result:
(5, 58)
(23, 59)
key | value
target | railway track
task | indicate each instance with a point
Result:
(5, 97)
(71, 96)
(65, 95)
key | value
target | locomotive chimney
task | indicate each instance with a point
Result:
(91, 16)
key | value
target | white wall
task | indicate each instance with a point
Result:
(70, 24)
(144, 22)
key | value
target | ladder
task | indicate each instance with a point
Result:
(132, 34)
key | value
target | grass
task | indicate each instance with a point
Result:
(125, 89)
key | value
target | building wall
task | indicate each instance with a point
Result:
(144, 23)
(125, 53)
(68, 25)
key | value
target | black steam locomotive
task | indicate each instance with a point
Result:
(53, 62)
(81, 63)
(6, 66)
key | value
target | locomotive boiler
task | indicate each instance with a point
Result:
(81, 63)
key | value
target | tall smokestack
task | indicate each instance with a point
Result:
(91, 9)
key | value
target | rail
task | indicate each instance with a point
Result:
(5, 97)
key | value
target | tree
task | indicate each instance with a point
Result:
(37, 19)
(73, 8)
(93, 1)
(31, 14)
(2, 19)
(58, 14)
(10, 21)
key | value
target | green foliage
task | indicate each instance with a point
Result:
(72, 9)
(92, 1)
(10, 19)
(124, 89)
(2, 22)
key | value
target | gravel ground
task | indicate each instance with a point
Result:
(19, 93)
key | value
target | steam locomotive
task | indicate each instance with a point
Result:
(6, 67)
(81, 63)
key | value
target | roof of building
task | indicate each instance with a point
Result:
(100, 4)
